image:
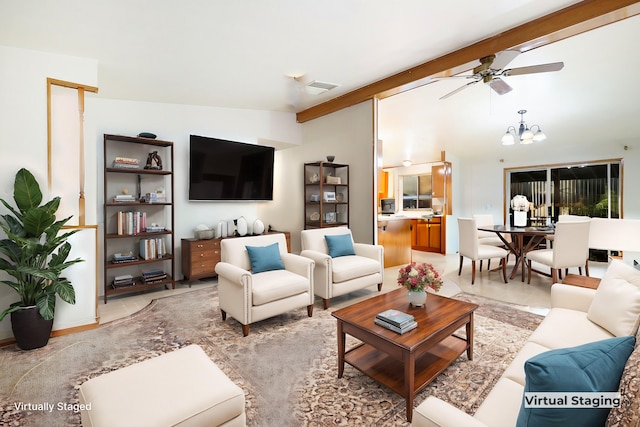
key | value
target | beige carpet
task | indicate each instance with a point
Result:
(287, 366)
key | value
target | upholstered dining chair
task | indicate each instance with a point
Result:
(470, 247)
(570, 249)
(341, 266)
(488, 237)
(565, 218)
(258, 279)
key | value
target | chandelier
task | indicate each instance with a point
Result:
(524, 134)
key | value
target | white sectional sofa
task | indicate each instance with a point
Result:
(578, 316)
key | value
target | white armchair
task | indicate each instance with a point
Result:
(362, 267)
(272, 282)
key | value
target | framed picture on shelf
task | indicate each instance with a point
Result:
(329, 196)
(330, 217)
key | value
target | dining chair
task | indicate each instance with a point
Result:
(570, 249)
(470, 247)
(487, 237)
(565, 218)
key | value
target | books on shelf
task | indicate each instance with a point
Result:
(124, 257)
(396, 321)
(123, 281)
(153, 276)
(131, 222)
(124, 198)
(125, 162)
(152, 248)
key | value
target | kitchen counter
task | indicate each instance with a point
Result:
(401, 232)
(408, 215)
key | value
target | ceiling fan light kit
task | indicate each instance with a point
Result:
(524, 134)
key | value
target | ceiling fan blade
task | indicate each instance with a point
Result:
(503, 58)
(459, 89)
(542, 68)
(500, 86)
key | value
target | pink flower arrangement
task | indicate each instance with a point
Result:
(419, 277)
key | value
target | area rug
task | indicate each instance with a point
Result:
(287, 366)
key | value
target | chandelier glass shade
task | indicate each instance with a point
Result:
(523, 133)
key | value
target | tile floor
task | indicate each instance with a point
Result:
(534, 297)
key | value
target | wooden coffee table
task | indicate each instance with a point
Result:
(409, 362)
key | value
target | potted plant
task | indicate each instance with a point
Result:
(34, 254)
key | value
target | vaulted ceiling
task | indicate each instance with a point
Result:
(592, 100)
(245, 53)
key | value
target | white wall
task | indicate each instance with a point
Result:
(346, 134)
(485, 195)
(23, 140)
(23, 143)
(174, 122)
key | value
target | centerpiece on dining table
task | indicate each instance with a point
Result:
(417, 277)
(520, 206)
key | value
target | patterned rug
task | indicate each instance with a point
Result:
(287, 366)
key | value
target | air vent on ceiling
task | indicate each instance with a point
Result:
(317, 87)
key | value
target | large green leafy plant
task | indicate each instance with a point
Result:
(35, 253)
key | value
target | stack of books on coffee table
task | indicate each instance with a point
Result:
(396, 321)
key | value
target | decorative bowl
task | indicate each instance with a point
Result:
(330, 159)
(205, 234)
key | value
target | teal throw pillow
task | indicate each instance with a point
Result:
(594, 367)
(265, 258)
(340, 245)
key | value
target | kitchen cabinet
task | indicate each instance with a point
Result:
(427, 234)
(441, 184)
(395, 236)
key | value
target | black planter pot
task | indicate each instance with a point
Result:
(30, 329)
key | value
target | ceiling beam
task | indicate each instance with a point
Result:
(567, 22)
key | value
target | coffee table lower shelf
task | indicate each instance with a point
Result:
(389, 371)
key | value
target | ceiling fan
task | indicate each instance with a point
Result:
(491, 70)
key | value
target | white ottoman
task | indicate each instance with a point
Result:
(182, 388)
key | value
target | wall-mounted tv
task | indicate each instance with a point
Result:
(228, 170)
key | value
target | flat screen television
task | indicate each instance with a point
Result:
(229, 170)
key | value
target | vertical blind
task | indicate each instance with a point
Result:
(591, 190)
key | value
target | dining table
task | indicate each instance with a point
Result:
(523, 239)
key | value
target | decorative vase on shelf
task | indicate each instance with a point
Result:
(417, 298)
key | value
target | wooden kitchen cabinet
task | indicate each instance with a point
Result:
(441, 185)
(395, 236)
(426, 235)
